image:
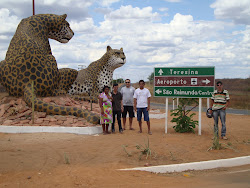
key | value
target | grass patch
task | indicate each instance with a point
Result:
(145, 150)
(125, 150)
(216, 144)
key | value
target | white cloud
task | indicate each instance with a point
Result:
(107, 3)
(128, 12)
(147, 39)
(86, 26)
(236, 10)
(160, 57)
(8, 22)
(163, 9)
(173, 1)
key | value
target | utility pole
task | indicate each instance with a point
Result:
(33, 7)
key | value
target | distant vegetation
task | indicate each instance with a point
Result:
(118, 81)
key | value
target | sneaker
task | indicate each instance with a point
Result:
(121, 131)
(224, 138)
(150, 133)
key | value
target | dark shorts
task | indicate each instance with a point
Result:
(129, 110)
(145, 114)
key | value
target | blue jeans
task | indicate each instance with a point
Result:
(222, 114)
(145, 114)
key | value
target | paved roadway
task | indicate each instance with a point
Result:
(229, 110)
(236, 177)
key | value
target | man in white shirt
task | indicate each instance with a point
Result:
(142, 105)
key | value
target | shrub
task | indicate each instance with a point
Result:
(184, 122)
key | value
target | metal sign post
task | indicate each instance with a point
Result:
(184, 82)
(166, 118)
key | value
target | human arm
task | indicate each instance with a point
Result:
(226, 105)
(149, 95)
(211, 104)
(148, 108)
(135, 103)
(109, 96)
(100, 104)
(227, 99)
(122, 106)
(121, 99)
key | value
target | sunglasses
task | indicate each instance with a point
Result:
(218, 85)
(127, 82)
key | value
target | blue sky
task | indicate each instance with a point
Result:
(171, 33)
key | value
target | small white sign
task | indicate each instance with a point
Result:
(193, 81)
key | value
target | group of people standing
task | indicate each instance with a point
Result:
(115, 105)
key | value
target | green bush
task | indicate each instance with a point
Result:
(184, 122)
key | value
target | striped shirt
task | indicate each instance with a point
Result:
(220, 99)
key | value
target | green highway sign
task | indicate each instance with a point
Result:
(185, 82)
(185, 71)
(187, 92)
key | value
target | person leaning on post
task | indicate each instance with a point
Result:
(219, 103)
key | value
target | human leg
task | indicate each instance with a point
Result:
(124, 114)
(119, 120)
(140, 127)
(131, 116)
(103, 128)
(223, 122)
(148, 124)
(139, 115)
(146, 118)
(107, 129)
(130, 123)
(113, 124)
(215, 116)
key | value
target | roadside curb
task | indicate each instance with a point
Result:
(203, 165)
(50, 129)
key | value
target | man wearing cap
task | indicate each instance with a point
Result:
(220, 101)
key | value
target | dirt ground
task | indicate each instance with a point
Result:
(69, 160)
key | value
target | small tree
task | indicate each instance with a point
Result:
(151, 77)
(184, 122)
(118, 81)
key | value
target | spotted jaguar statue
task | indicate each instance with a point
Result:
(90, 81)
(29, 59)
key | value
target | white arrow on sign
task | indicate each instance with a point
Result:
(160, 72)
(207, 81)
(158, 91)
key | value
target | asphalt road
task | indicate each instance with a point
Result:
(224, 177)
(229, 110)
